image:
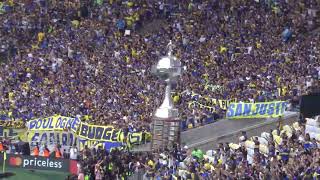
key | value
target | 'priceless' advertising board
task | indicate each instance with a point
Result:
(36, 163)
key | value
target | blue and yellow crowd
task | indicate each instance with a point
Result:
(93, 58)
(288, 152)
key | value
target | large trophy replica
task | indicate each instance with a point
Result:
(166, 124)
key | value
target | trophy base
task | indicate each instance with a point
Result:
(166, 132)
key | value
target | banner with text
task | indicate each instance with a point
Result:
(83, 130)
(12, 133)
(107, 134)
(256, 110)
(12, 124)
(100, 133)
(108, 146)
(54, 123)
(207, 102)
(52, 138)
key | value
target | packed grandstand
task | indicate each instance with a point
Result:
(88, 63)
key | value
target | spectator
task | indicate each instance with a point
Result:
(46, 152)
(57, 151)
(73, 153)
(36, 150)
(98, 171)
(81, 176)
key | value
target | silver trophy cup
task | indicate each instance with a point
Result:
(166, 124)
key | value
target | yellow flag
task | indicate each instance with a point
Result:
(176, 99)
(130, 4)
(222, 49)
(258, 44)
(40, 36)
(190, 104)
(11, 3)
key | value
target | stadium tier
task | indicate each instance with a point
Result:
(78, 89)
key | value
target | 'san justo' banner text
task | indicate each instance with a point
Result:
(256, 110)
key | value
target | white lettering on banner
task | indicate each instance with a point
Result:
(63, 138)
(41, 163)
(41, 123)
(63, 121)
(50, 139)
(54, 123)
(75, 124)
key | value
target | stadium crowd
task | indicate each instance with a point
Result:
(285, 153)
(288, 152)
(92, 59)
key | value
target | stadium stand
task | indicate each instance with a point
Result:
(84, 63)
(92, 60)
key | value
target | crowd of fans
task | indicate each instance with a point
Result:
(288, 152)
(93, 58)
(284, 153)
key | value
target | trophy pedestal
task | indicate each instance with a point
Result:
(166, 124)
(166, 131)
